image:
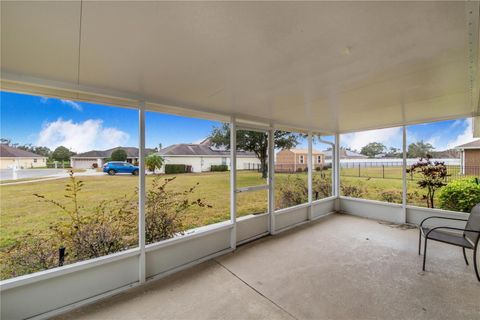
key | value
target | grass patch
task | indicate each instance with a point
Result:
(21, 212)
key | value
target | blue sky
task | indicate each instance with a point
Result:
(81, 126)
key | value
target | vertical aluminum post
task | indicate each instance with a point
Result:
(271, 180)
(336, 170)
(141, 192)
(233, 182)
(310, 172)
(404, 174)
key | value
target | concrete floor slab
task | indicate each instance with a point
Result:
(339, 267)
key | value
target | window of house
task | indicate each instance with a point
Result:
(301, 159)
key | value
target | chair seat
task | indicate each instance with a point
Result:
(448, 237)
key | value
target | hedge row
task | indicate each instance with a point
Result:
(177, 168)
(219, 167)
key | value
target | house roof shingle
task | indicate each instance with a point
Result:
(132, 152)
(11, 152)
(471, 145)
(199, 149)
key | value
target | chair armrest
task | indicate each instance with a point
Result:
(451, 228)
(437, 217)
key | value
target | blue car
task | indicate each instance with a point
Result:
(115, 167)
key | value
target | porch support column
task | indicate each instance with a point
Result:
(271, 180)
(141, 192)
(336, 170)
(404, 174)
(310, 171)
(233, 182)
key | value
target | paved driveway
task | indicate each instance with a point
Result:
(7, 174)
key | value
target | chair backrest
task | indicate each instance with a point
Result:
(473, 223)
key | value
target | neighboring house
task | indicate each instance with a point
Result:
(201, 156)
(11, 157)
(97, 157)
(345, 154)
(288, 160)
(470, 158)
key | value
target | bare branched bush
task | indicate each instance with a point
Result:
(29, 254)
(164, 209)
(110, 226)
(352, 191)
(322, 185)
(291, 192)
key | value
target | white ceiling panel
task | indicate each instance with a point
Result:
(40, 39)
(334, 66)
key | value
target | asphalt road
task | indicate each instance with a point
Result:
(7, 174)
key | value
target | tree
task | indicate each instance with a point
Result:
(394, 153)
(119, 155)
(373, 148)
(432, 177)
(254, 141)
(420, 149)
(61, 153)
(43, 151)
(153, 162)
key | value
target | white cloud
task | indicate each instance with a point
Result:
(72, 104)
(389, 137)
(465, 137)
(81, 136)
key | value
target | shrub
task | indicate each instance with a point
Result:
(391, 195)
(300, 169)
(94, 165)
(164, 208)
(291, 192)
(321, 186)
(109, 227)
(153, 162)
(29, 254)
(327, 166)
(432, 177)
(352, 191)
(318, 168)
(220, 167)
(119, 155)
(103, 230)
(460, 195)
(175, 168)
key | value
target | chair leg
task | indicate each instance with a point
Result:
(425, 253)
(419, 241)
(475, 262)
(465, 255)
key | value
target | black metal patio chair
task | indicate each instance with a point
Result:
(466, 238)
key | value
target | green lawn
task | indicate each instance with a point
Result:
(22, 212)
